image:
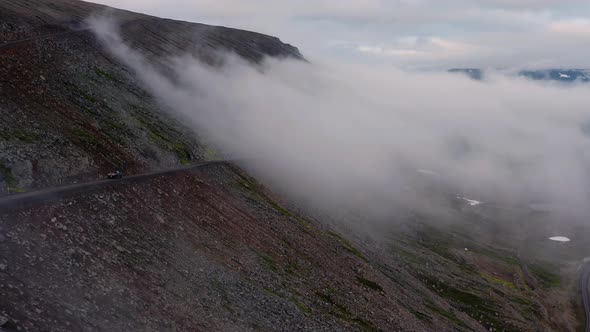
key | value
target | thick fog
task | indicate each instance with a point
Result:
(374, 138)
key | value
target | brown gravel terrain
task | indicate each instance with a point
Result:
(211, 249)
(207, 250)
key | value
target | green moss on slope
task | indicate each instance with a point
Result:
(348, 246)
(10, 179)
(343, 313)
(480, 308)
(545, 277)
(369, 284)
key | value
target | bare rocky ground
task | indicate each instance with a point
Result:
(212, 249)
(208, 251)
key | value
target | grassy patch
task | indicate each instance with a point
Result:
(21, 135)
(183, 153)
(163, 135)
(211, 154)
(436, 241)
(270, 262)
(442, 250)
(88, 97)
(348, 246)
(408, 255)
(398, 278)
(302, 307)
(344, 313)
(325, 297)
(528, 308)
(255, 189)
(505, 256)
(156, 137)
(521, 301)
(445, 314)
(369, 284)
(421, 316)
(479, 308)
(286, 212)
(16, 190)
(105, 74)
(10, 179)
(440, 242)
(85, 136)
(499, 281)
(546, 278)
(292, 268)
(91, 111)
(364, 324)
(118, 130)
(27, 137)
(272, 292)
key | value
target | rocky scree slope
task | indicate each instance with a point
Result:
(192, 251)
(70, 112)
(212, 249)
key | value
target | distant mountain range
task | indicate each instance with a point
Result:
(561, 75)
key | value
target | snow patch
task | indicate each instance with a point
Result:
(559, 239)
(471, 202)
(426, 171)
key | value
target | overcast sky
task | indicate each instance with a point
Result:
(426, 34)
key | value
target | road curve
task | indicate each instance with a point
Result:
(584, 283)
(50, 194)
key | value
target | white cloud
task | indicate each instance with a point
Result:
(573, 27)
(382, 51)
(354, 135)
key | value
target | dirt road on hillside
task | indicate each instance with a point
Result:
(40, 196)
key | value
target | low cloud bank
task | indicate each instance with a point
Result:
(358, 136)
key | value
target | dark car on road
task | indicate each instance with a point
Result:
(115, 175)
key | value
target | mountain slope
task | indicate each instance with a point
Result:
(209, 249)
(71, 112)
(212, 252)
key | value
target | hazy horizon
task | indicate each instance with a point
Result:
(412, 34)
